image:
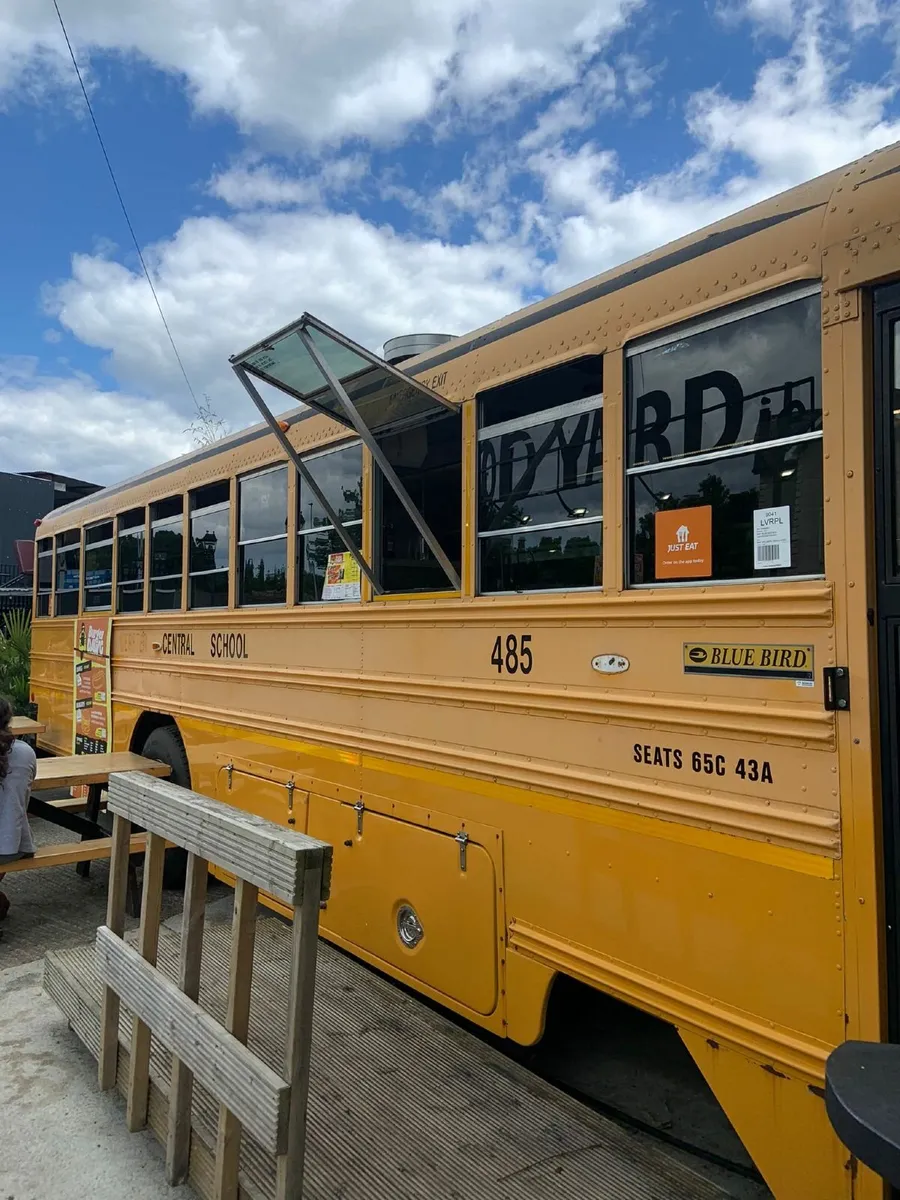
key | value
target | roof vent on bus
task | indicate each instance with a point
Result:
(398, 349)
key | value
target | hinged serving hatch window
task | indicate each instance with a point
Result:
(322, 368)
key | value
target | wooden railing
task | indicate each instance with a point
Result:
(262, 856)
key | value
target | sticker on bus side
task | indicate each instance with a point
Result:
(761, 661)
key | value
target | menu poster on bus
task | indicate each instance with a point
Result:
(91, 724)
(342, 577)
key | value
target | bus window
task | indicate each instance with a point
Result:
(130, 561)
(166, 542)
(262, 537)
(68, 573)
(540, 481)
(339, 474)
(98, 559)
(724, 446)
(210, 509)
(44, 576)
(427, 458)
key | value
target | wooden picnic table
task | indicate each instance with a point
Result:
(26, 727)
(92, 770)
(85, 770)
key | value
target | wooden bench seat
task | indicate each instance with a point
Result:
(63, 854)
(74, 804)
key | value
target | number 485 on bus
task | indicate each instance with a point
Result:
(513, 655)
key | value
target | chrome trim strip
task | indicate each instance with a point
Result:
(575, 522)
(729, 452)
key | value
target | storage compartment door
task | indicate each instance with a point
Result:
(396, 878)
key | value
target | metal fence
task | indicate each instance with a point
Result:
(15, 590)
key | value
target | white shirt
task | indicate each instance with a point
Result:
(15, 789)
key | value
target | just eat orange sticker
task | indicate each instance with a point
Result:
(684, 543)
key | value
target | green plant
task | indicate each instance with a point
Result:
(15, 659)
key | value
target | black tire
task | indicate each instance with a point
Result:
(165, 745)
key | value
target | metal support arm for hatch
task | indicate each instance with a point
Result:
(305, 474)
(378, 455)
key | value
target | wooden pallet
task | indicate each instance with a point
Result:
(253, 1098)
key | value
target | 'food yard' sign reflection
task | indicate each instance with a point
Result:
(714, 414)
(545, 460)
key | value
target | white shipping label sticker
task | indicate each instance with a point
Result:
(772, 538)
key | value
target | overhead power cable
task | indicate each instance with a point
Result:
(122, 205)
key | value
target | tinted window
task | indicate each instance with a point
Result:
(68, 573)
(542, 474)
(325, 568)
(263, 505)
(725, 449)
(750, 380)
(45, 575)
(339, 474)
(263, 572)
(166, 546)
(540, 481)
(428, 462)
(210, 546)
(262, 550)
(541, 391)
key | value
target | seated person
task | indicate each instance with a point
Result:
(18, 764)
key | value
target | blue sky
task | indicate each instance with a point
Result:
(390, 167)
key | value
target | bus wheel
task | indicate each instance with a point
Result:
(165, 745)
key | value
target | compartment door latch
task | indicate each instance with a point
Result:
(837, 688)
(462, 840)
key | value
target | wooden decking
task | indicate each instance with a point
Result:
(403, 1103)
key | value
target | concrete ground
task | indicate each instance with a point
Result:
(60, 1136)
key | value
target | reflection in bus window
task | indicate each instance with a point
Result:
(325, 568)
(130, 561)
(427, 459)
(166, 544)
(262, 537)
(98, 558)
(44, 576)
(68, 573)
(724, 424)
(540, 481)
(210, 509)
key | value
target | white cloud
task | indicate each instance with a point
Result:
(71, 426)
(264, 185)
(800, 120)
(225, 283)
(320, 73)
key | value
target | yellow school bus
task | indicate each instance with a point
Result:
(577, 638)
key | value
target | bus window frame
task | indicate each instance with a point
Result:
(181, 575)
(38, 591)
(777, 297)
(299, 533)
(594, 403)
(119, 532)
(226, 506)
(99, 545)
(281, 465)
(57, 547)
